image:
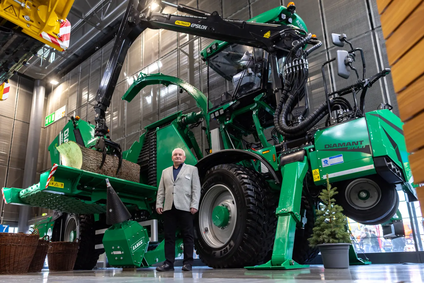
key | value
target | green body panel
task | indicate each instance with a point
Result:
(67, 134)
(11, 196)
(171, 138)
(354, 259)
(270, 155)
(133, 152)
(158, 254)
(343, 152)
(78, 191)
(155, 256)
(125, 244)
(45, 226)
(272, 16)
(387, 138)
(54, 154)
(87, 132)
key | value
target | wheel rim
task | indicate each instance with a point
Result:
(71, 229)
(214, 236)
(363, 194)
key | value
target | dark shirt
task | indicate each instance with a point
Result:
(176, 171)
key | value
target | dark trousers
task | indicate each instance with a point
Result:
(184, 220)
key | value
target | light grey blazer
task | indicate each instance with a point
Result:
(184, 192)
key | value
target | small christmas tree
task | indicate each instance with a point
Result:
(331, 223)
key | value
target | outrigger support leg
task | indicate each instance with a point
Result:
(294, 168)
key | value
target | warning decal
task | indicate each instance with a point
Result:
(55, 184)
(11, 10)
(315, 173)
(182, 23)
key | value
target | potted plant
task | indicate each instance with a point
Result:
(330, 231)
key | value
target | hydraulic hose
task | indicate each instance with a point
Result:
(295, 77)
(313, 48)
(306, 124)
(277, 112)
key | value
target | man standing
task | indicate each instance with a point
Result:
(366, 240)
(375, 244)
(178, 199)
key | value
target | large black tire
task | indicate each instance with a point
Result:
(389, 214)
(243, 241)
(87, 254)
(58, 225)
(379, 204)
(271, 203)
(302, 251)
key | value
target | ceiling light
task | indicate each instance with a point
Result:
(154, 6)
(54, 82)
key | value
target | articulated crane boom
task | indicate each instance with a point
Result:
(274, 38)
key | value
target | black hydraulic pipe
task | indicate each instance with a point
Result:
(363, 61)
(324, 80)
(128, 32)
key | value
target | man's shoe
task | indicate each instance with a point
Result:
(165, 267)
(186, 267)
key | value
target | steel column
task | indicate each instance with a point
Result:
(33, 144)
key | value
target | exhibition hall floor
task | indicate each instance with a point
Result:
(316, 273)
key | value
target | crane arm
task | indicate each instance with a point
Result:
(139, 16)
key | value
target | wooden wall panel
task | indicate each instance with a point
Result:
(420, 194)
(403, 28)
(414, 133)
(382, 5)
(409, 68)
(395, 13)
(411, 100)
(406, 36)
(417, 168)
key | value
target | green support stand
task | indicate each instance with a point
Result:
(288, 213)
(354, 259)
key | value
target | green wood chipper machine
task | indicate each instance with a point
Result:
(267, 154)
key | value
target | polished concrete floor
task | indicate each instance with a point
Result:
(370, 273)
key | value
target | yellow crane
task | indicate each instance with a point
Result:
(25, 26)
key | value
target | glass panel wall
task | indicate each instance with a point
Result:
(375, 239)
